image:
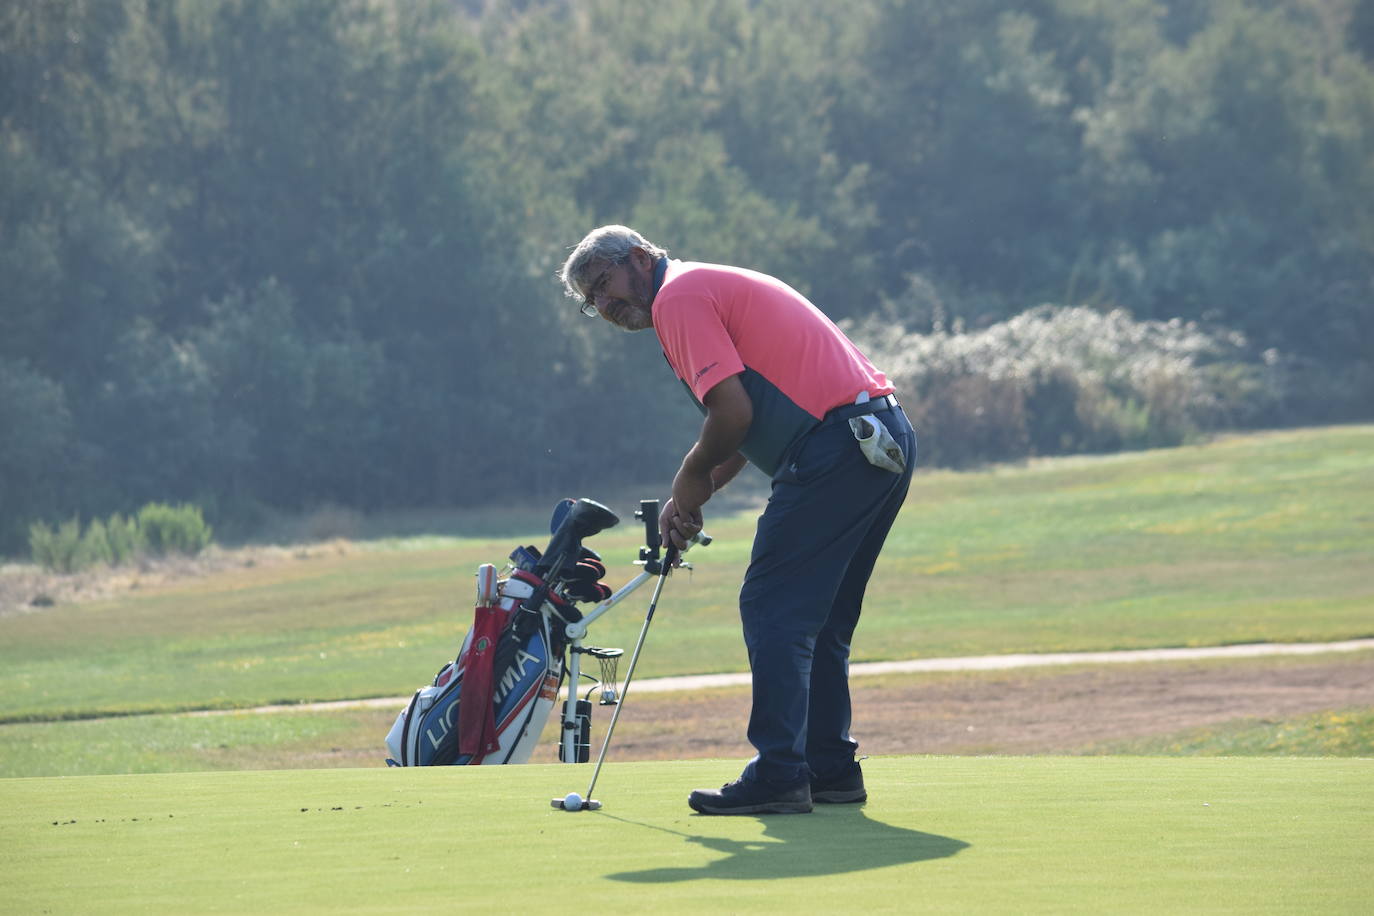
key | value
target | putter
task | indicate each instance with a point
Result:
(572, 801)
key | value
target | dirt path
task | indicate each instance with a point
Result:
(1024, 711)
(1039, 660)
(952, 706)
(697, 682)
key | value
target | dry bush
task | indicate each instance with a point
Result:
(1057, 380)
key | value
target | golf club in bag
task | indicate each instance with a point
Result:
(490, 704)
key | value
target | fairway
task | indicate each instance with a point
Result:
(1245, 539)
(939, 834)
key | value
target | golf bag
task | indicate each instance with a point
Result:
(490, 704)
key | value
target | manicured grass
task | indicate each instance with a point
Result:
(1026, 835)
(1266, 537)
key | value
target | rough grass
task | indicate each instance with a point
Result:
(193, 743)
(1334, 733)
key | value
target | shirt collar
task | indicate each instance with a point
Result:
(660, 270)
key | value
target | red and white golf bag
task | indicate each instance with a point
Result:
(490, 704)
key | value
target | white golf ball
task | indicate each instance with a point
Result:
(572, 802)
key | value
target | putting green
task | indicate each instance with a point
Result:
(1040, 834)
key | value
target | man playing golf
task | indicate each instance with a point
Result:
(784, 388)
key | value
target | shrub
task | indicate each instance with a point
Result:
(56, 549)
(173, 529)
(124, 538)
(95, 546)
(966, 419)
(1053, 422)
(158, 528)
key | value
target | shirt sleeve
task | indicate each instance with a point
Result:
(696, 341)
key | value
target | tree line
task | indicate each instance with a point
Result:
(282, 253)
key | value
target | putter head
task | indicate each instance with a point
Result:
(588, 804)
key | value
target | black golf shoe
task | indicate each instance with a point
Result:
(844, 788)
(752, 797)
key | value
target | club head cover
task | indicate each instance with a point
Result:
(587, 570)
(587, 591)
(583, 571)
(581, 581)
(560, 512)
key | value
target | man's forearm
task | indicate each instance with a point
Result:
(715, 457)
(726, 471)
(716, 448)
(711, 462)
(706, 467)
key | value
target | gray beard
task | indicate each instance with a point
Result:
(641, 294)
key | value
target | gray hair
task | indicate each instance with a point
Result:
(608, 243)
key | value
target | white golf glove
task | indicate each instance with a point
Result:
(877, 444)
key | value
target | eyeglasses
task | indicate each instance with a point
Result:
(589, 303)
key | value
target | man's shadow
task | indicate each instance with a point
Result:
(827, 842)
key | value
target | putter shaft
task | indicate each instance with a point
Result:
(629, 675)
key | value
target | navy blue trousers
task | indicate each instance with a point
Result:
(817, 541)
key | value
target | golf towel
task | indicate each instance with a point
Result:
(476, 712)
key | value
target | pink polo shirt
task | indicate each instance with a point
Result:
(715, 321)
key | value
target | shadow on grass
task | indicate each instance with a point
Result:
(830, 841)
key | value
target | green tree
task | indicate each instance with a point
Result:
(34, 449)
(151, 426)
(1269, 246)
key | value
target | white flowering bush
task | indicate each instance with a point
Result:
(1068, 379)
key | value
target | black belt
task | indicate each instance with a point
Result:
(876, 405)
